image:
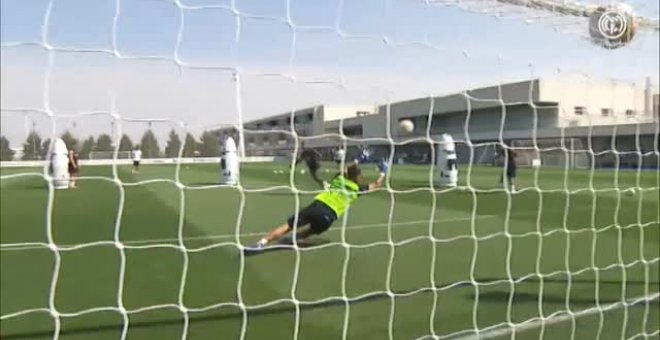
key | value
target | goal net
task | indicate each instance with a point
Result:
(548, 110)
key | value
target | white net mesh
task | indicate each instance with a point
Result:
(570, 252)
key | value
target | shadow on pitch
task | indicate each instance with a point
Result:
(524, 297)
(287, 307)
(503, 296)
(279, 308)
(25, 186)
(555, 280)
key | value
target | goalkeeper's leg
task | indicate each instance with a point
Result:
(305, 233)
(275, 234)
(320, 218)
(302, 234)
(317, 215)
(303, 218)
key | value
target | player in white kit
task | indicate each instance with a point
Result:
(136, 155)
(339, 156)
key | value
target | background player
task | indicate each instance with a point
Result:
(136, 155)
(312, 159)
(326, 208)
(340, 154)
(510, 168)
(74, 168)
(363, 155)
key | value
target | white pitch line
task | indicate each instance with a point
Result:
(561, 316)
(23, 246)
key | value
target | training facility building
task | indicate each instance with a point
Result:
(557, 120)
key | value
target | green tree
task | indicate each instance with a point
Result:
(6, 153)
(190, 146)
(149, 145)
(210, 144)
(32, 149)
(87, 147)
(125, 143)
(104, 143)
(173, 145)
(70, 141)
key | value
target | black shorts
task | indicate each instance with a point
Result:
(511, 172)
(318, 215)
(136, 163)
(313, 166)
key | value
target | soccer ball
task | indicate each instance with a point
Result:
(406, 126)
(631, 191)
(302, 171)
(612, 26)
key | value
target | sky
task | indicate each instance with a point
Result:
(192, 65)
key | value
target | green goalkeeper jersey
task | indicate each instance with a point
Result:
(340, 194)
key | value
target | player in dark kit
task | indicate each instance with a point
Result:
(511, 168)
(312, 159)
(74, 169)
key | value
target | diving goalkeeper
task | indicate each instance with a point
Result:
(326, 208)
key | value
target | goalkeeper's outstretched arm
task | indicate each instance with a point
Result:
(379, 182)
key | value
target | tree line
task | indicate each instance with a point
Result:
(36, 148)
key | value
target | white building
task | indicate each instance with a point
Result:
(275, 133)
(516, 109)
(538, 109)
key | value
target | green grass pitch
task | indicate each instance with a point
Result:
(499, 241)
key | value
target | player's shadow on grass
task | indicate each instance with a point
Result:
(287, 307)
(521, 297)
(27, 186)
(555, 280)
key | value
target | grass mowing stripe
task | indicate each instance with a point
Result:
(424, 223)
(18, 246)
